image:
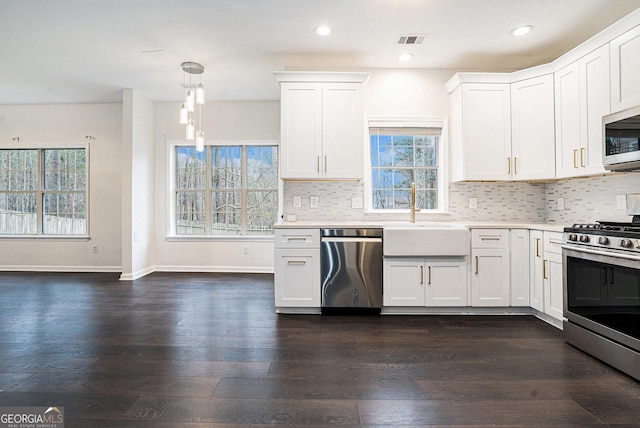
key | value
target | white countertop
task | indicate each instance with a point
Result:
(553, 227)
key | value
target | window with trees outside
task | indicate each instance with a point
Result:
(401, 156)
(226, 190)
(43, 191)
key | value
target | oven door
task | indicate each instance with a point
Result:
(602, 292)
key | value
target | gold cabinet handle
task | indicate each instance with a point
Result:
(296, 262)
(545, 269)
(429, 271)
(582, 156)
(318, 157)
(508, 165)
(325, 163)
(537, 247)
(515, 165)
(421, 275)
(476, 265)
(575, 158)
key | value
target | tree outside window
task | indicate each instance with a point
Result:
(43, 191)
(226, 190)
(399, 157)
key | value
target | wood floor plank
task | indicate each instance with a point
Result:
(208, 350)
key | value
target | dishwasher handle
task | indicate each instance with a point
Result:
(349, 239)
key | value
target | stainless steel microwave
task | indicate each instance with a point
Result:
(621, 149)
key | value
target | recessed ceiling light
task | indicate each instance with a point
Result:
(521, 31)
(405, 57)
(323, 30)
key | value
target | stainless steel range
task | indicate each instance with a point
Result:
(601, 276)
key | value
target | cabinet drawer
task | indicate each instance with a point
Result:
(490, 238)
(297, 238)
(553, 242)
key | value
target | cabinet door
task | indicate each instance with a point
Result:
(595, 96)
(533, 129)
(403, 282)
(446, 283)
(519, 267)
(297, 278)
(486, 131)
(553, 285)
(490, 277)
(342, 131)
(567, 96)
(536, 293)
(301, 130)
(625, 69)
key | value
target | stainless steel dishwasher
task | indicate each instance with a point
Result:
(351, 266)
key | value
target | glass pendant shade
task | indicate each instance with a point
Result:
(191, 100)
(194, 95)
(184, 115)
(191, 131)
(200, 141)
(200, 94)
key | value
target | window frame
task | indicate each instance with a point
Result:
(172, 234)
(40, 192)
(442, 153)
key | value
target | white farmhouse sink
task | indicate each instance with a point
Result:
(425, 239)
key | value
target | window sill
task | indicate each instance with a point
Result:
(45, 237)
(201, 238)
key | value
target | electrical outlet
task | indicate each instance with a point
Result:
(245, 250)
(621, 202)
(95, 248)
(313, 202)
(297, 202)
(473, 203)
(560, 204)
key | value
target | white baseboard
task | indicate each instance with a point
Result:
(213, 269)
(58, 268)
(136, 275)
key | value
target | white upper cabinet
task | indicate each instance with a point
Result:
(532, 129)
(300, 130)
(502, 131)
(595, 93)
(481, 132)
(625, 69)
(567, 83)
(582, 97)
(322, 125)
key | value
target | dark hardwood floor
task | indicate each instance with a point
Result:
(208, 350)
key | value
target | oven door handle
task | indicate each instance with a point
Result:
(578, 248)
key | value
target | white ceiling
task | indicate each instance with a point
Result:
(78, 51)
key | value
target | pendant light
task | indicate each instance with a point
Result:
(194, 97)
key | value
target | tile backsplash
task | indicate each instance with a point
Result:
(587, 200)
(582, 200)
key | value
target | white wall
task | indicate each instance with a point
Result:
(56, 126)
(137, 176)
(229, 121)
(407, 93)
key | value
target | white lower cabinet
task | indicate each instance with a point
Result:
(297, 278)
(536, 271)
(552, 272)
(546, 290)
(432, 282)
(519, 246)
(490, 275)
(297, 268)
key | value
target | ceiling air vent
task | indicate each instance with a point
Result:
(410, 39)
